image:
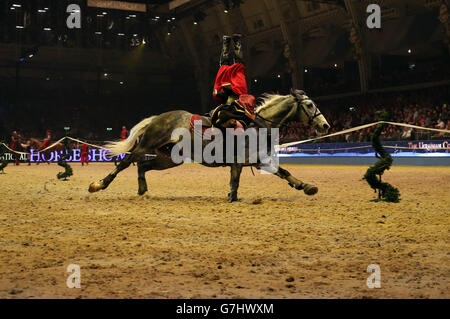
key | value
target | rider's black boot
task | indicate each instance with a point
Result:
(225, 56)
(238, 52)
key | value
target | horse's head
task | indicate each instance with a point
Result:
(309, 113)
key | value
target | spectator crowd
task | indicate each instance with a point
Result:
(428, 108)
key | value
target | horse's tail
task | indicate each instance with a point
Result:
(123, 146)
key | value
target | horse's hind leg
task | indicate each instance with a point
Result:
(236, 170)
(104, 183)
(158, 163)
(293, 182)
(142, 182)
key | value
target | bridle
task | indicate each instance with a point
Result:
(317, 113)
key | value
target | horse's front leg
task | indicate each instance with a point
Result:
(236, 170)
(293, 182)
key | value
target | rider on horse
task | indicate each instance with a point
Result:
(236, 107)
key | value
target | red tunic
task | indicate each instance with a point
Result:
(123, 134)
(84, 153)
(230, 74)
(46, 141)
(13, 143)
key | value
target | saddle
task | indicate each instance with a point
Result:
(206, 122)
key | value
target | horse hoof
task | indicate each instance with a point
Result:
(95, 187)
(142, 186)
(142, 192)
(310, 189)
(232, 197)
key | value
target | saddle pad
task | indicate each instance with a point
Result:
(206, 122)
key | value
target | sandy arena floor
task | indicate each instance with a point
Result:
(183, 240)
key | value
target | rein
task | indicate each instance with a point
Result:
(273, 122)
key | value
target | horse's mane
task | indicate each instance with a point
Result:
(269, 100)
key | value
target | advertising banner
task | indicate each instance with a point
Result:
(431, 148)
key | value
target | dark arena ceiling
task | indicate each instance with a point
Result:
(177, 43)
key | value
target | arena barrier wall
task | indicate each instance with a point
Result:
(425, 152)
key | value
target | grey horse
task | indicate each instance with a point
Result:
(154, 136)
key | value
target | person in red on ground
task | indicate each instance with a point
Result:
(124, 133)
(47, 139)
(84, 154)
(15, 142)
(236, 107)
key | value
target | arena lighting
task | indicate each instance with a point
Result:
(409, 51)
(29, 53)
(19, 27)
(121, 82)
(17, 5)
(121, 34)
(41, 11)
(98, 32)
(47, 29)
(278, 76)
(306, 70)
(226, 11)
(106, 74)
(335, 65)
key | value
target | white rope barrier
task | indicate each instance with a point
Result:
(89, 144)
(53, 145)
(62, 139)
(360, 128)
